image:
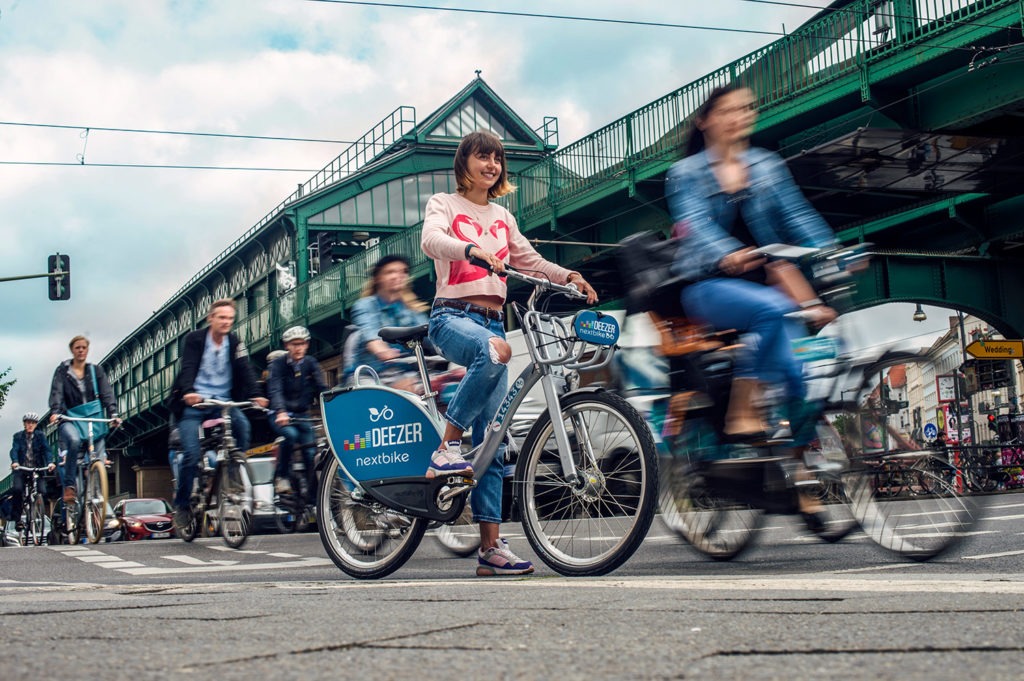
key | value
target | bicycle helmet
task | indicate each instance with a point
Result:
(274, 354)
(30, 416)
(295, 333)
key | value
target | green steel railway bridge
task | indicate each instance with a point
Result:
(901, 121)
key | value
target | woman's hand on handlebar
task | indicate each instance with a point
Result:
(819, 315)
(496, 264)
(576, 279)
(741, 261)
(192, 399)
(260, 401)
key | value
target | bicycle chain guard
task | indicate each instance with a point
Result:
(441, 498)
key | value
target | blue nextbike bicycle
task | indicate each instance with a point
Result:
(586, 481)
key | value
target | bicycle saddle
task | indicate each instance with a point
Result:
(403, 334)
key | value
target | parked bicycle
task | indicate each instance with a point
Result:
(222, 495)
(89, 512)
(715, 490)
(35, 507)
(585, 483)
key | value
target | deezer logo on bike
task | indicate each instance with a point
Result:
(385, 435)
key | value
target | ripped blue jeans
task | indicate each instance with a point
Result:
(464, 338)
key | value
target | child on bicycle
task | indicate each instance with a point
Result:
(294, 384)
(466, 321)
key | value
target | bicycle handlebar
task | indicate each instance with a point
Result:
(29, 469)
(543, 284)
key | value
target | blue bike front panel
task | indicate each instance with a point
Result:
(591, 326)
(379, 433)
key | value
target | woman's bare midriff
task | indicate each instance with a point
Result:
(491, 302)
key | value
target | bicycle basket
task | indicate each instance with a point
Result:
(645, 264)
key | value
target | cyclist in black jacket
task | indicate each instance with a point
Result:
(214, 364)
(30, 449)
(295, 382)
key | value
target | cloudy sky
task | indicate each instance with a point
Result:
(283, 68)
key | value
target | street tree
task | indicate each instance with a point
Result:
(5, 386)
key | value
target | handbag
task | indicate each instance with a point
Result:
(645, 265)
(90, 410)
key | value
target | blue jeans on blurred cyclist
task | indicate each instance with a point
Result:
(70, 445)
(297, 434)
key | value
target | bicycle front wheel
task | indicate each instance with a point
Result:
(235, 500)
(95, 501)
(593, 524)
(35, 523)
(363, 539)
(917, 526)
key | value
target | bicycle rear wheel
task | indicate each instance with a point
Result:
(364, 540)
(593, 525)
(95, 501)
(235, 500)
(916, 526)
(35, 523)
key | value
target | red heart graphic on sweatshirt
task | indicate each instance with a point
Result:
(462, 271)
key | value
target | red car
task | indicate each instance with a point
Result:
(144, 519)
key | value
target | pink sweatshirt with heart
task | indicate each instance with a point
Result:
(452, 221)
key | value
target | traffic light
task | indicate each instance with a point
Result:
(992, 423)
(58, 269)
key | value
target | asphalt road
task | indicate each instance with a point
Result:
(791, 608)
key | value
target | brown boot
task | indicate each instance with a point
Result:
(743, 419)
(70, 495)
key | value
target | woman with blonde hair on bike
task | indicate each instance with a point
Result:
(77, 382)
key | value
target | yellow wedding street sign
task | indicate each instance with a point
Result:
(996, 349)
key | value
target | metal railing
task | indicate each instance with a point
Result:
(835, 45)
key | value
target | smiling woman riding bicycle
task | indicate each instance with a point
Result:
(79, 389)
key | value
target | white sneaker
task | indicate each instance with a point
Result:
(501, 561)
(448, 460)
(283, 486)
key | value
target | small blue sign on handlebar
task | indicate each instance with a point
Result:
(591, 326)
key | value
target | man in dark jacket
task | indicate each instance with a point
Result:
(214, 364)
(295, 382)
(31, 450)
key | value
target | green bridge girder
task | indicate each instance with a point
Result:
(859, 65)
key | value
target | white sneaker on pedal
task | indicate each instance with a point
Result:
(448, 460)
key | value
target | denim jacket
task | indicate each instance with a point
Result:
(775, 211)
(370, 314)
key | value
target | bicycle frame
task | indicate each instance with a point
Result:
(553, 347)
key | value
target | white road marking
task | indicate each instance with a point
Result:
(284, 555)
(192, 560)
(305, 562)
(993, 555)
